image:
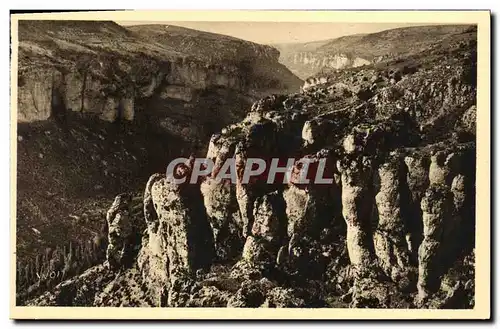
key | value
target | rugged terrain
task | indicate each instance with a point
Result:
(101, 106)
(307, 59)
(395, 229)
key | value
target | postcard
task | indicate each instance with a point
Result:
(283, 164)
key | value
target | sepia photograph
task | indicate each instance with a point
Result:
(204, 162)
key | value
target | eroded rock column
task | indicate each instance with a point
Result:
(437, 205)
(268, 230)
(181, 243)
(245, 194)
(389, 237)
(357, 206)
(121, 228)
(219, 198)
(370, 289)
(417, 180)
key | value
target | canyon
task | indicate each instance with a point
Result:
(395, 229)
(100, 106)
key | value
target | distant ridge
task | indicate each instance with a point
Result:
(306, 59)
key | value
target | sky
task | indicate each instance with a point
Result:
(282, 32)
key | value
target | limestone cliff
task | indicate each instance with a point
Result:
(145, 73)
(307, 63)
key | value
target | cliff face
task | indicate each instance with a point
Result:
(306, 64)
(150, 74)
(307, 59)
(393, 229)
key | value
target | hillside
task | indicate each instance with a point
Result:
(306, 59)
(394, 227)
(208, 46)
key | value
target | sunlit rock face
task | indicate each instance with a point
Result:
(307, 63)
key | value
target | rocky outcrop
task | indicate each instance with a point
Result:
(436, 206)
(268, 229)
(375, 210)
(223, 215)
(390, 243)
(77, 291)
(357, 209)
(178, 240)
(396, 203)
(122, 230)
